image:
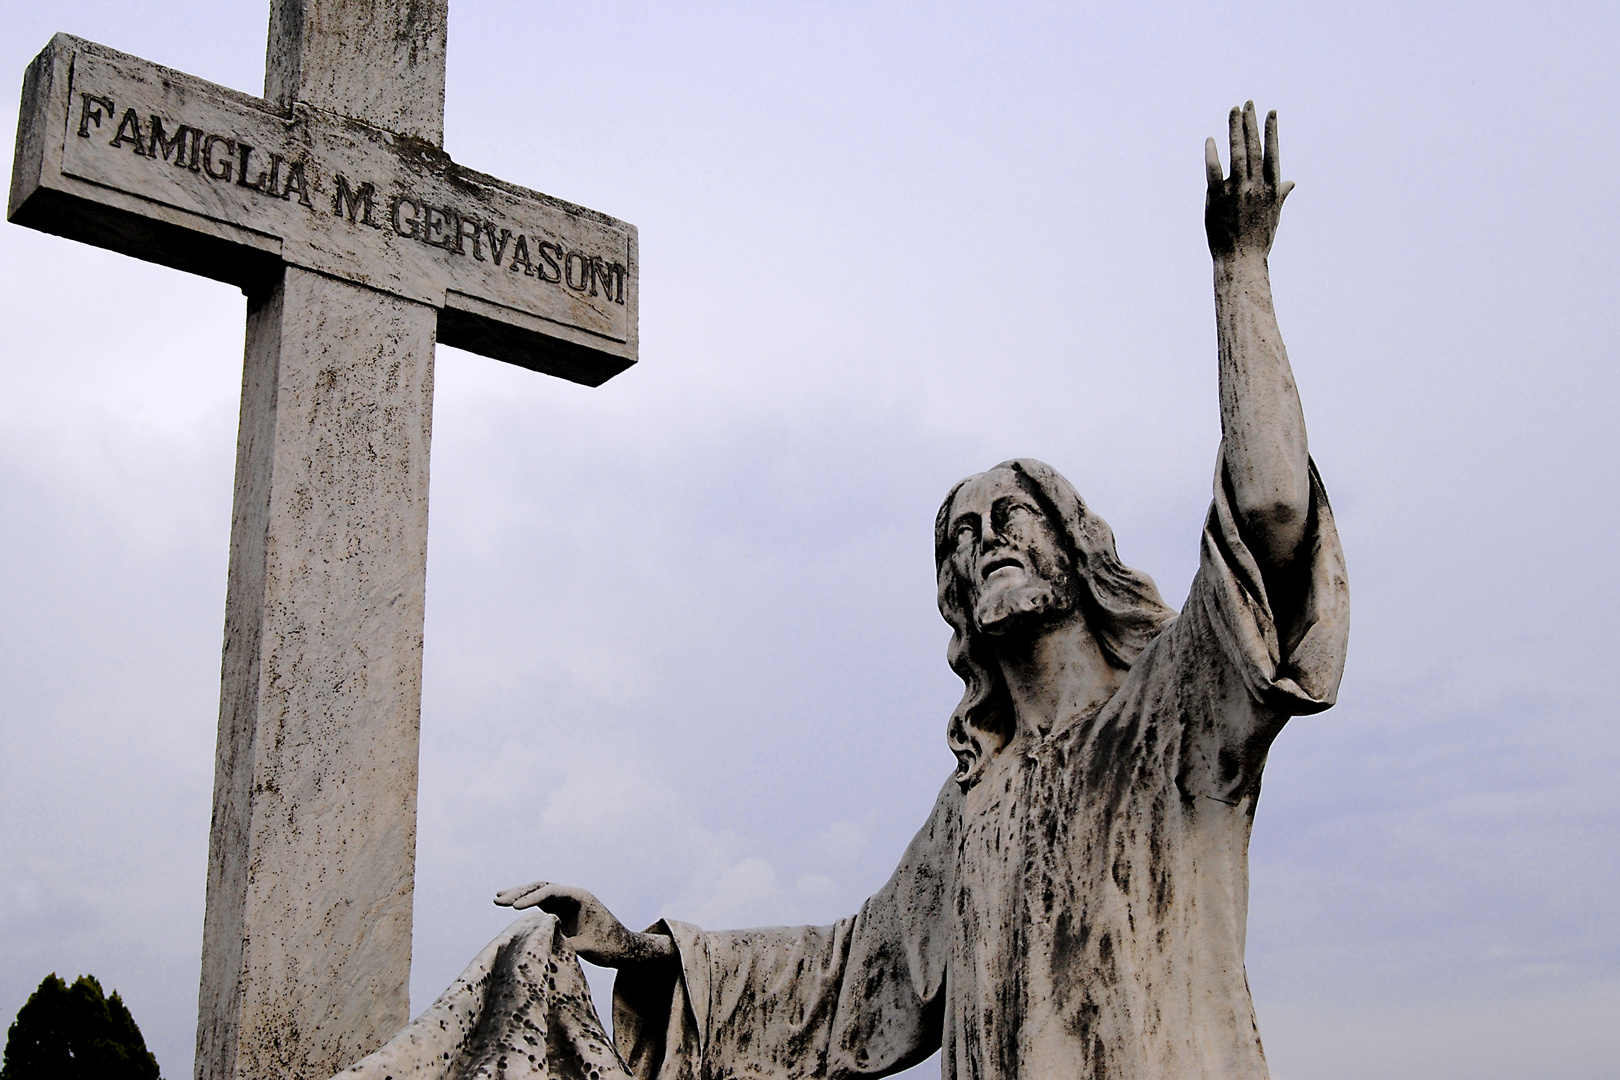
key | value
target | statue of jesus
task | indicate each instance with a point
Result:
(1075, 905)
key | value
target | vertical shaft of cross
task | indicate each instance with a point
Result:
(307, 936)
(381, 61)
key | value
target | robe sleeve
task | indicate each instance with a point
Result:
(1288, 647)
(1248, 650)
(863, 997)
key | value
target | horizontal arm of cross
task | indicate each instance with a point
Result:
(124, 154)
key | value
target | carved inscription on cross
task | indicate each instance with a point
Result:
(359, 243)
(125, 154)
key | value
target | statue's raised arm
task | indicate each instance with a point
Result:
(1261, 421)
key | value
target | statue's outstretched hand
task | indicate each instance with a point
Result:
(593, 931)
(1241, 210)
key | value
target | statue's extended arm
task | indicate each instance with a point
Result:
(1261, 420)
(591, 929)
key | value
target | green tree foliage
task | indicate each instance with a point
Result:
(76, 1033)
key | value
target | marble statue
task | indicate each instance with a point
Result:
(1076, 904)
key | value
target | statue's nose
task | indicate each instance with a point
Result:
(992, 534)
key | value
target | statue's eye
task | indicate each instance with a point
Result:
(1022, 516)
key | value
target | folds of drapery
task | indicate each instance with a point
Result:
(862, 997)
(1289, 648)
(522, 1009)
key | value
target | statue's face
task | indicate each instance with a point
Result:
(1009, 556)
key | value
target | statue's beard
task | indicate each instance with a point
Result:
(1013, 602)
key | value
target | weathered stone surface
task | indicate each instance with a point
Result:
(307, 943)
(326, 53)
(521, 1009)
(133, 156)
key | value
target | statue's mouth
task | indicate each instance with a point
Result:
(997, 565)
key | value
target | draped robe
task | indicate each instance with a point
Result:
(1078, 911)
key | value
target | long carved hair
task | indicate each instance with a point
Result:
(1121, 606)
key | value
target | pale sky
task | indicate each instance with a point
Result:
(682, 646)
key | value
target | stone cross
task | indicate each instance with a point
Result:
(359, 243)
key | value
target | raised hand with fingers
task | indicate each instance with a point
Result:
(1241, 210)
(593, 931)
